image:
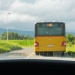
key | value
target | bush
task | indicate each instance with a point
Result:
(2, 49)
(7, 46)
(70, 37)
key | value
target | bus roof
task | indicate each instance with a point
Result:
(49, 22)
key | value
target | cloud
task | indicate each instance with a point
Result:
(5, 5)
(29, 1)
(30, 11)
(55, 9)
(12, 17)
(70, 26)
(27, 26)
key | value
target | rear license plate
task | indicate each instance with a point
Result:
(50, 45)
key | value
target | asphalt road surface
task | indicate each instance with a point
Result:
(28, 53)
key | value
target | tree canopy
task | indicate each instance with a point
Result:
(15, 36)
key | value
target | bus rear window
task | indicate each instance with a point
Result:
(50, 29)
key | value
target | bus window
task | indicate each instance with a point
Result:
(54, 29)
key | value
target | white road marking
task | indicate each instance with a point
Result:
(29, 55)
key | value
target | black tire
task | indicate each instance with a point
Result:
(62, 54)
(41, 53)
(45, 54)
(50, 53)
(58, 54)
(37, 53)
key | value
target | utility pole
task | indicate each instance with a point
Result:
(7, 25)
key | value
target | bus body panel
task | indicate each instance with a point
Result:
(50, 43)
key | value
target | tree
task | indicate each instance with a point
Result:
(70, 38)
(15, 36)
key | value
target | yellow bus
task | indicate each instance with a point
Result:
(49, 38)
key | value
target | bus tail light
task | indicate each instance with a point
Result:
(36, 44)
(64, 43)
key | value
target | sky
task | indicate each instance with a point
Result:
(25, 13)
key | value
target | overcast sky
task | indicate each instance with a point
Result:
(25, 13)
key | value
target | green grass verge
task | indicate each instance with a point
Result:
(23, 43)
(70, 48)
(8, 46)
(14, 45)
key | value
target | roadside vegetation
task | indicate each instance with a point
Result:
(70, 38)
(15, 42)
(14, 45)
(70, 49)
(8, 46)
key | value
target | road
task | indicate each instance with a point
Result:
(28, 53)
(23, 53)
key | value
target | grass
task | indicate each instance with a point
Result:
(23, 43)
(14, 45)
(70, 48)
(3, 49)
(8, 46)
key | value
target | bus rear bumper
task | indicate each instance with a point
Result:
(45, 49)
(48, 53)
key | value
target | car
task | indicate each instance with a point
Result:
(36, 64)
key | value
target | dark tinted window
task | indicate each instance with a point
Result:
(50, 29)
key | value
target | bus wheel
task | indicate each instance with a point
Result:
(45, 53)
(37, 53)
(62, 54)
(50, 53)
(41, 53)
